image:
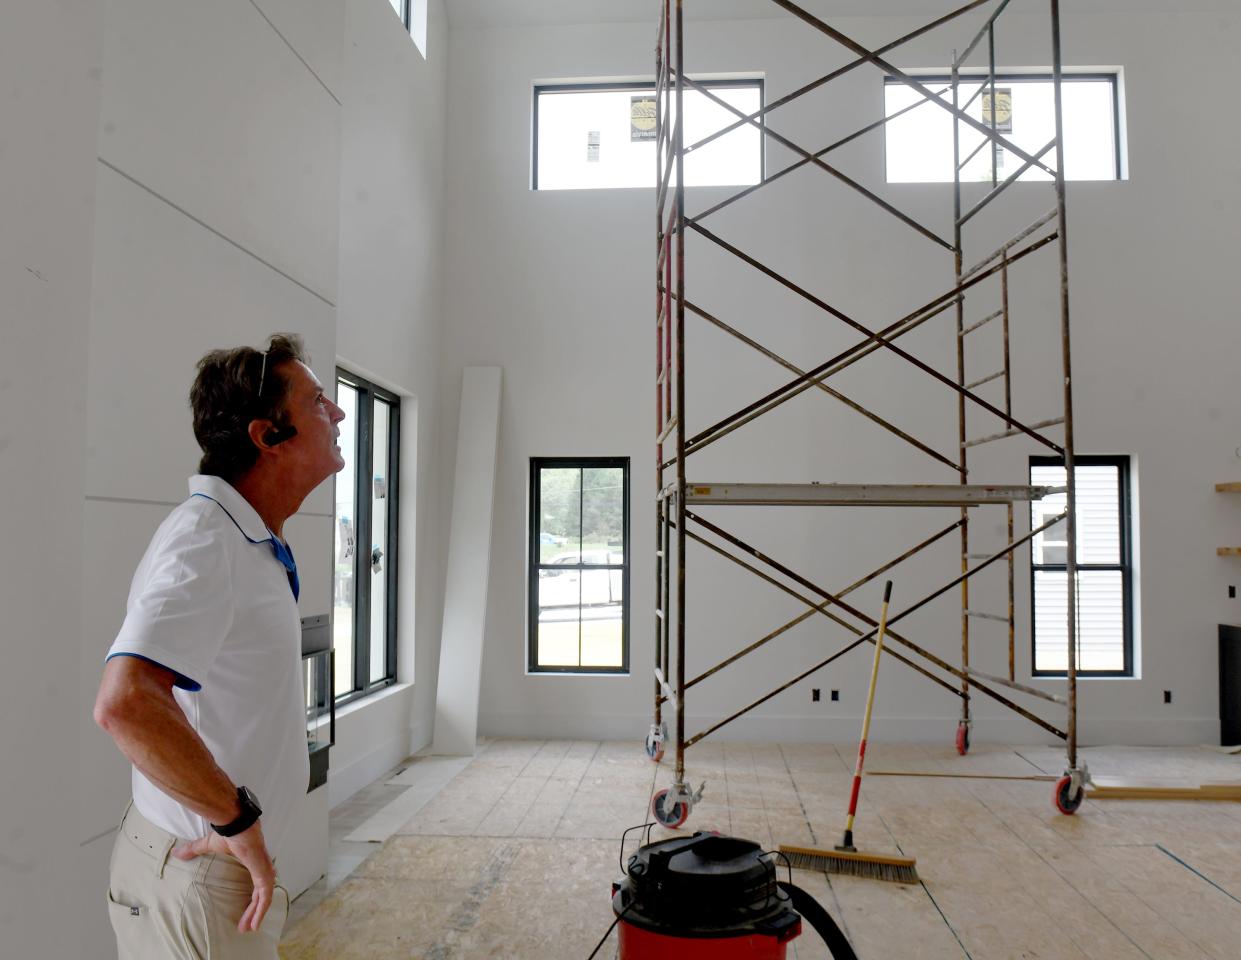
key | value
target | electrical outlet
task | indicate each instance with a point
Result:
(835, 695)
(814, 694)
(1232, 592)
(1167, 696)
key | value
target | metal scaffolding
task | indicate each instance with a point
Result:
(679, 523)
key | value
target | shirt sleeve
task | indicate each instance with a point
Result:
(180, 608)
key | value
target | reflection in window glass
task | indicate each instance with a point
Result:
(588, 138)
(919, 142)
(343, 582)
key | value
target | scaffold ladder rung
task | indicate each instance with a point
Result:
(1012, 433)
(979, 615)
(981, 323)
(986, 379)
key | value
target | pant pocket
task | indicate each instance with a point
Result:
(277, 914)
(222, 907)
(132, 925)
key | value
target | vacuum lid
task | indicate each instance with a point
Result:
(707, 883)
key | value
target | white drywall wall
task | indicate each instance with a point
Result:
(216, 224)
(49, 107)
(231, 207)
(469, 563)
(558, 287)
(394, 123)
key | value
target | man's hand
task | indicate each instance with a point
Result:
(251, 850)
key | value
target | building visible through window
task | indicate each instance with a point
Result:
(919, 140)
(1104, 568)
(598, 135)
(365, 550)
(579, 565)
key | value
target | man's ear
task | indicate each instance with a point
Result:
(264, 434)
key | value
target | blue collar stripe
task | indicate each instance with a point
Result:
(280, 549)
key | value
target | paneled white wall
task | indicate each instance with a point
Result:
(216, 224)
(392, 211)
(558, 288)
(49, 106)
(264, 166)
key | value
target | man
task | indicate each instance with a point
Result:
(202, 687)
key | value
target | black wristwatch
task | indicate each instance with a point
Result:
(250, 812)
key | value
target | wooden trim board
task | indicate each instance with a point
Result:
(1116, 788)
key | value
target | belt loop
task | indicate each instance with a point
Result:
(161, 858)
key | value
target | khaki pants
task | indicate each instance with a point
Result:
(163, 908)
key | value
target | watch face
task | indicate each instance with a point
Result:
(251, 798)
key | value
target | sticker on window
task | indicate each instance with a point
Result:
(641, 118)
(1003, 109)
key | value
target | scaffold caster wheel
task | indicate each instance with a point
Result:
(655, 742)
(963, 738)
(668, 813)
(1066, 802)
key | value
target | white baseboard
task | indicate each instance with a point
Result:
(372, 737)
(1007, 728)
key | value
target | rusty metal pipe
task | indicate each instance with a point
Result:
(824, 166)
(904, 78)
(852, 405)
(878, 338)
(840, 72)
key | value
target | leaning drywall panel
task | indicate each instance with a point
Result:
(469, 563)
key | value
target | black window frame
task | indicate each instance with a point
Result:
(364, 459)
(1113, 77)
(642, 86)
(1125, 566)
(534, 564)
(405, 13)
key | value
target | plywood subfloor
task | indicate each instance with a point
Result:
(516, 855)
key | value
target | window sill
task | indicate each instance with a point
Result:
(356, 706)
(568, 673)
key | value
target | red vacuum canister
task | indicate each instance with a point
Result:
(705, 897)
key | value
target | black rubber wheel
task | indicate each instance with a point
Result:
(963, 738)
(668, 817)
(1064, 802)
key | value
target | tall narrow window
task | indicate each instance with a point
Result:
(1104, 569)
(579, 565)
(367, 497)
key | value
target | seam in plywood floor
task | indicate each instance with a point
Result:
(516, 854)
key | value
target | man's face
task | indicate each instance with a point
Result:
(313, 454)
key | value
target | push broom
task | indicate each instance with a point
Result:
(846, 858)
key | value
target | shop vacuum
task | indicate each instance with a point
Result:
(712, 896)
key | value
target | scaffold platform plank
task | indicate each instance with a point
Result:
(861, 494)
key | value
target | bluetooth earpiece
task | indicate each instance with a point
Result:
(279, 435)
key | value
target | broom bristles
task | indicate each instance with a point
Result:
(869, 866)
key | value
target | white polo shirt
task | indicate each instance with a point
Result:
(211, 602)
